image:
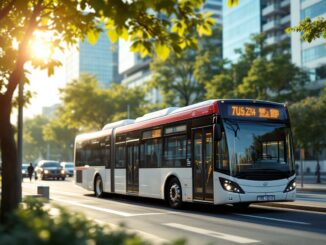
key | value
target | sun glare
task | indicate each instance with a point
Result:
(40, 46)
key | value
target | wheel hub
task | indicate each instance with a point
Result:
(175, 193)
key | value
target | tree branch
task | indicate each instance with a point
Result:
(4, 12)
(17, 73)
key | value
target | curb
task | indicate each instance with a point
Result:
(294, 206)
(312, 190)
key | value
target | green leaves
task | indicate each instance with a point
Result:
(179, 27)
(232, 3)
(162, 51)
(309, 133)
(262, 72)
(113, 35)
(92, 36)
(311, 30)
(89, 107)
(32, 224)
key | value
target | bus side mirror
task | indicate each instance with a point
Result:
(217, 132)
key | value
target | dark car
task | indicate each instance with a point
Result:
(48, 169)
(68, 167)
(24, 170)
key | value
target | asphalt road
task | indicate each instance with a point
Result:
(197, 223)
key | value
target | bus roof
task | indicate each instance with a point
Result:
(192, 111)
(92, 135)
(169, 115)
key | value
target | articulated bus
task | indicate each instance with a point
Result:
(218, 151)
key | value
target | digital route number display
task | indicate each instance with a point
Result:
(254, 111)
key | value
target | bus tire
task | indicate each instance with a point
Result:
(98, 186)
(174, 193)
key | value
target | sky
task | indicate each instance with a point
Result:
(46, 90)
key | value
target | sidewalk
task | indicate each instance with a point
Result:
(315, 188)
(315, 191)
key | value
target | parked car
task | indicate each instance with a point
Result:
(68, 167)
(24, 170)
(49, 169)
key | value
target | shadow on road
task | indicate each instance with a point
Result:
(281, 218)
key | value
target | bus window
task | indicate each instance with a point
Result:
(222, 155)
(151, 153)
(80, 156)
(120, 156)
(175, 151)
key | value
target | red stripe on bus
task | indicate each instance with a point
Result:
(191, 113)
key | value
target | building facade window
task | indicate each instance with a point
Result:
(313, 53)
(314, 10)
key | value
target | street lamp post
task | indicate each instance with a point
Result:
(20, 128)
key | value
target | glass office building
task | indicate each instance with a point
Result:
(252, 17)
(239, 23)
(135, 71)
(100, 59)
(310, 56)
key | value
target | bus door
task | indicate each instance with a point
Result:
(202, 151)
(133, 167)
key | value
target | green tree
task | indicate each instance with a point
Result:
(208, 61)
(65, 22)
(308, 125)
(86, 106)
(35, 145)
(58, 133)
(262, 72)
(310, 30)
(180, 78)
(175, 80)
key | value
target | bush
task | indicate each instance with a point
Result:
(35, 223)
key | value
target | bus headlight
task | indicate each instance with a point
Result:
(291, 186)
(62, 171)
(230, 186)
(46, 171)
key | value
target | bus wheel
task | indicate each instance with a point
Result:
(98, 186)
(174, 193)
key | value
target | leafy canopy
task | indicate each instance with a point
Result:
(308, 122)
(262, 72)
(86, 106)
(180, 78)
(310, 29)
(150, 25)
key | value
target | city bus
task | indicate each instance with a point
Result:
(217, 151)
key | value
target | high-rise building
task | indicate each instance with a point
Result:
(100, 59)
(252, 17)
(310, 56)
(214, 7)
(135, 71)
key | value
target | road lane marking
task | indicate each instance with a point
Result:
(145, 235)
(274, 219)
(224, 236)
(107, 210)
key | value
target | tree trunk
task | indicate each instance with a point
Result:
(11, 175)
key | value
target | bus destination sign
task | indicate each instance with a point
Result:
(254, 111)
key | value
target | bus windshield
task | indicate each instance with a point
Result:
(259, 151)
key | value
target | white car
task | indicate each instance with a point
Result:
(68, 167)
